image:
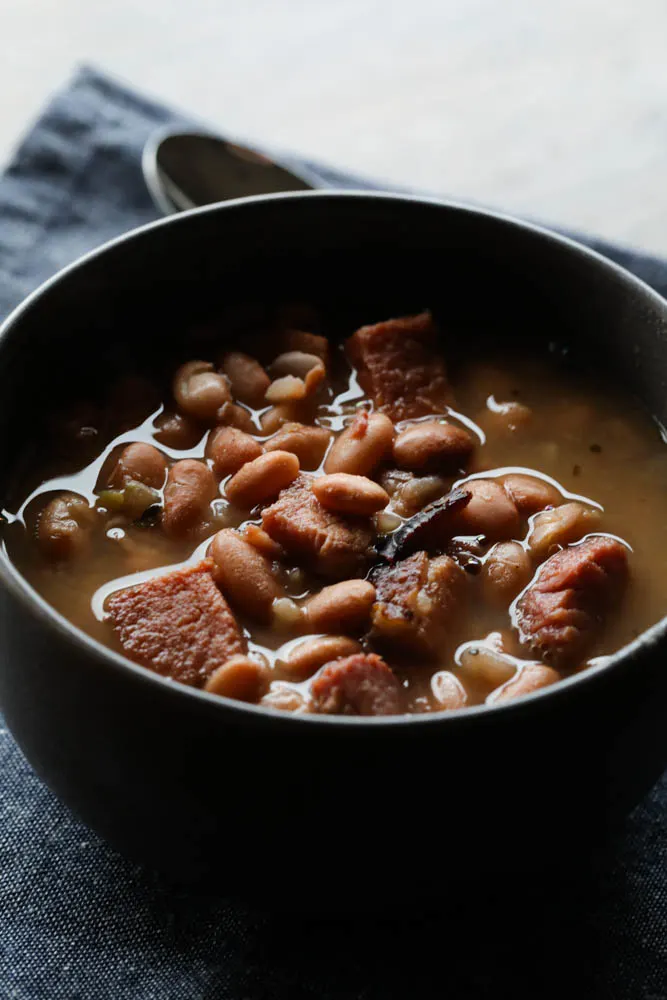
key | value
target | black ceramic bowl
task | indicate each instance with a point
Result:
(248, 798)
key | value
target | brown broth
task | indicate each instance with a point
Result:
(591, 440)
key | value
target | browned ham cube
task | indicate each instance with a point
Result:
(400, 366)
(178, 624)
(561, 614)
(416, 600)
(333, 545)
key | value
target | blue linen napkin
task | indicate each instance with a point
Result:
(79, 922)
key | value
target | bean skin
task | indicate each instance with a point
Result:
(532, 677)
(177, 431)
(287, 389)
(229, 449)
(342, 607)
(308, 368)
(286, 615)
(244, 575)
(487, 664)
(187, 495)
(489, 512)
(561, 526)
(506, 418)
(507, 569)
(362, 446)
(259, 539)
(142, 463)
(233, 415)
(287, 413)
(63, 527)
(353, 495)
(240, 678)
(262, 479)
(530, 494)
(448, 691)
(308, 443)
(432, 446)
(200, 391)
(311, 654)
(247, 378)
(285, 698)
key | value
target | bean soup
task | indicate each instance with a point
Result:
(362, 527)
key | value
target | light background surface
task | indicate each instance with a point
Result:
(558, 111)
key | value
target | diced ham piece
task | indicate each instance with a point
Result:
(178, 624)
(415, 602)
(400, 366)
(333, 545)
(361, 684)
(561, 613)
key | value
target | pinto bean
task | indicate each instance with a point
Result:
(489, 512)
(448, 691)
(288, 389)
(507, 569)
(341, 607)
(529, 678)
(432, 446)
(286, 615)
(300, 411)
(308, 368)
(485, 663)
(240, 678)
(285, 698)
(142, 463)
(247, 378)
(415, 492)
(308, 443)
(187, 495)
(229, 449)
(233, 415)
(561, 526)
(257, 537)
(177, 431)
(263, 478)
(244, 575)
(311, 654)
(385, 522)
(63, 527)
(346, 494)
(362, 446)
(505, 417)
(200, 391)
(530, 494)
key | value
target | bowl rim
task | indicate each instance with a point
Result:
(37, 606)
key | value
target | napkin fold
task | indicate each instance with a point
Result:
(79, 922)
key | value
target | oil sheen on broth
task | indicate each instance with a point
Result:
(585, 441)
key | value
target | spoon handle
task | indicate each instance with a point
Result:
(186, 170)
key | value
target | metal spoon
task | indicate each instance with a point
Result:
(184, 170)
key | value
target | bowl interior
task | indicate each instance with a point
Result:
(493, 284)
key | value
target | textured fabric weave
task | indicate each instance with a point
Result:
(78, 922)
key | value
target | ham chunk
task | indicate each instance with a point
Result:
(333, 545)
(178, 624)
(415, 602)
(560, 615)
(399, 365)
(361, 684)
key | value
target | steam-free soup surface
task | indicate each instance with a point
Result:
(443, 590)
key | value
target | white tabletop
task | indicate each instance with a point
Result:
(558, 111)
